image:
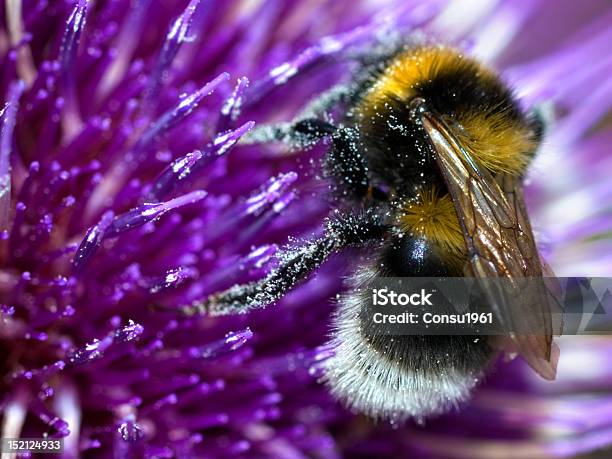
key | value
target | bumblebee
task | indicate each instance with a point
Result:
(426, 163)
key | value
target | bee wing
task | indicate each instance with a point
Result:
(500, 245)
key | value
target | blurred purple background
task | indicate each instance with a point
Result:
(121, 187)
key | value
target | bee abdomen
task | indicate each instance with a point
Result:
(399, 377)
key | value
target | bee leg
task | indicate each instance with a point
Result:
(347, 166)
(296, 262)
(293, 133)
(321, 105)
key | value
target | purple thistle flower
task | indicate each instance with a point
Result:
(123, 184)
